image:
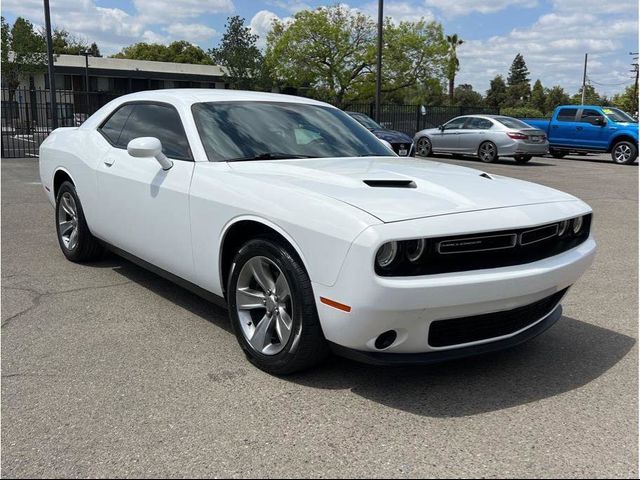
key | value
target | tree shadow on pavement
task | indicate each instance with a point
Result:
(568, 356)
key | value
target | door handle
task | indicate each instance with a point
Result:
(109, 161)
(578, 128)
(554, 126)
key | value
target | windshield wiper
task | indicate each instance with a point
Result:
(269, 156)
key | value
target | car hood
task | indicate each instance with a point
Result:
(392, 136)
(397, 188)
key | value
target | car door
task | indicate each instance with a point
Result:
(564, 131)
(446, 139)
(144, 210)
(472, 134)
(593, 131)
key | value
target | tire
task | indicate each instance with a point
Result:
(292, 338)
(624, 153)
(423, 147)
(522, 158)
(488, 152)
(557, 154)
(74, 237)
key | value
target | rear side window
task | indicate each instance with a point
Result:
(160, 121)
(113, 126)
(567, 114)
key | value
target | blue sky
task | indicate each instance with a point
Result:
(553, 35)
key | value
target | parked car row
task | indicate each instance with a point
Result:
(579, 129)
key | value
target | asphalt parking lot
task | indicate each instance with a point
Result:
(108, 370)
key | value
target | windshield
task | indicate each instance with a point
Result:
(366, 121)
(512, 122)
(235, 131)
(617, 115)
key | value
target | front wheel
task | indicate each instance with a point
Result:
(423, 147)
(272, 308)
(488, 152)
(523, 158)
(624, 153)
(74, 237)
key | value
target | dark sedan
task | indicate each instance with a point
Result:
(401, 143)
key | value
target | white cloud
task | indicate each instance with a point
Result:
(554, 46)
(401, 11)
(454, 8)
(167, 11)
(261, 25)
(195, 33)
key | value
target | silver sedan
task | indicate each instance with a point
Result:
(485, 136)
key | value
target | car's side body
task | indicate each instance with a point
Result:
(464, 135)
(334, 213)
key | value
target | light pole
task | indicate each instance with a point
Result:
(379, 60)
(52, 78)
(86, 76)
(584, 78)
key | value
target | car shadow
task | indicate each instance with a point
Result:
(569, 355)
(500, 161)
(579, 158)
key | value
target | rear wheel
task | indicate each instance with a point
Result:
(624, 153)
(74, 237)
(272, 308)
(523, 158)
(488, 152)
(423, 147)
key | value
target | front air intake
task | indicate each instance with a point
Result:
(391, 183)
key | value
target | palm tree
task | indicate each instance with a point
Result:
(453, 64)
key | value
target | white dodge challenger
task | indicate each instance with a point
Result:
(313, 233)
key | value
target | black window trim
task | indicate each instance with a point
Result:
(146, 102)
(473, 117)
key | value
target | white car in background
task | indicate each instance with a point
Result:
(314, 234)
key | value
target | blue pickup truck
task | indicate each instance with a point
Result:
(590, 128)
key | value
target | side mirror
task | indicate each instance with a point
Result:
(441, 128)
(145, 147)
(599, 121)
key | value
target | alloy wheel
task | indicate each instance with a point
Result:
(424, 147)
(264, 305)
(68, 221)
(622, 153)
(487, 152)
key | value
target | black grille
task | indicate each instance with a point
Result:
(463, 253)
(401, 146)
(456, 331)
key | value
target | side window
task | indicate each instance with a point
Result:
(113, 126)
(160, 121)
(567, 114)
(455, 124)
(476, 123)
(589, 115)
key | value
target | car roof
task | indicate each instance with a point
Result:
(197, 95)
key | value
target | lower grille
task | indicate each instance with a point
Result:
(456, 331)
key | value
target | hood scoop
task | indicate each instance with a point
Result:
(391, 183)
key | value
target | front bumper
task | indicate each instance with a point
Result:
(409, 305)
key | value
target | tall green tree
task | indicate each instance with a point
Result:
(627, 101)
(328, 49)
(179, 52)
(519, 89)
(538, 97)
(239, 55)
(555, 96)
(497, 93)
(453, 64)
(23, 53)
(591, 97)
(466, 96)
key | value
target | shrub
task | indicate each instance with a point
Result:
(521, 112)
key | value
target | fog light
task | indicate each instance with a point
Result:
(386, 339)
(577, 225)
(387, 254)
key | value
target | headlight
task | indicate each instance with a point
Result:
(577, 225)
(414, 249)
(387, 254)
(563, 227)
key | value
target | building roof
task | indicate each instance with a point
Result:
(126, 65)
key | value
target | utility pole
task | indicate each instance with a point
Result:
(584, 78)
(52, 78)
(86, 76)
(635, 70)
(379, 62)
